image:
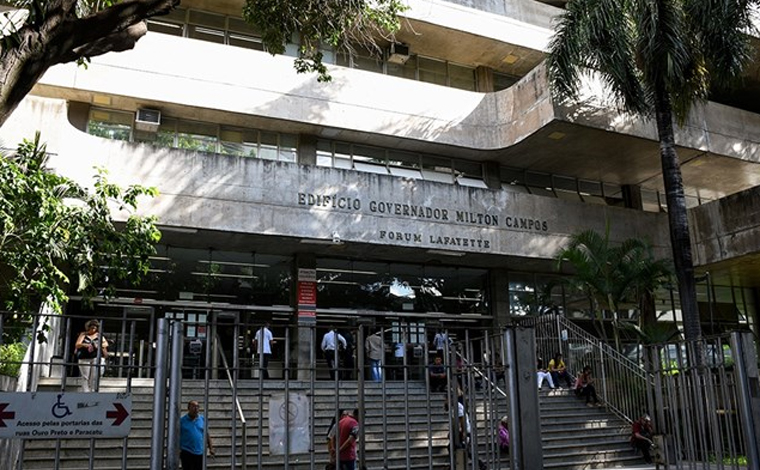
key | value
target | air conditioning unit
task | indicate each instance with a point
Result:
(147, 120)
(398, 53)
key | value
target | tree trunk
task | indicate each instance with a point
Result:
(677, 216)
(60, 36)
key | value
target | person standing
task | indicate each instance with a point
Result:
(348, 433)
(86, 350)
(375, 348)
(262, 345)
(439, 343)
(330, 341)
(191, 442)
(437, 374)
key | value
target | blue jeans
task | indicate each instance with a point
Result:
(348, 465)
(375, 370)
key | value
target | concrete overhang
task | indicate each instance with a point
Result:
(248, 204)
(522, 126)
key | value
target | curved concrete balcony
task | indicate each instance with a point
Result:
(522, 126)
(245, 203)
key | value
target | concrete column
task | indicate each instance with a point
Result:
(526, 449)
(483, 79)
(303, 344)
(632, 196)
(307, 149)
(499, 290)
(492, 175)
(79, 114)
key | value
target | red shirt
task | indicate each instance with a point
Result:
(348, 428)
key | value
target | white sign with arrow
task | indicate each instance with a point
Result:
(59, 415)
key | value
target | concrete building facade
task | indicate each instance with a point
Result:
(432, 187)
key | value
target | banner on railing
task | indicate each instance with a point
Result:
(289, 423)
(57, 415)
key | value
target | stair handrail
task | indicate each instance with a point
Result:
(237, 401)
(479, 372)
(624, 382)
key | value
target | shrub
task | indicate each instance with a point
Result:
(11, 356)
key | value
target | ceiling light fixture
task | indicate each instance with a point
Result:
(434, 251)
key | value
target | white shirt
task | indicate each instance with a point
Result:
(264, 346)
(460, 409)
(399, 349)
(328, 341)
(439, 341)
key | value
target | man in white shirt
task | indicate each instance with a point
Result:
(439, 343)
(262, 345)
(330, 340)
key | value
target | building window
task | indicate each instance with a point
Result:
(196, 136)
(114, 125)
(234, 31)
(398, 163)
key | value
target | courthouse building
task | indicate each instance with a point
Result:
(431, 186)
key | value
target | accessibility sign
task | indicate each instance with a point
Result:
(59, 415)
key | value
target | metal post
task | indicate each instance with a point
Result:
(510, 375)
(130, 368)
(233, 411)
(745, 400)
(312, 387)
(159, 396)
(405, 340)
(210, 355)
(360, 378)
(286, 376)
(175, 388)
(33, 351)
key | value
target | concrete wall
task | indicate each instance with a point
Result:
(727, 228)
(231, 81)
(276, 198)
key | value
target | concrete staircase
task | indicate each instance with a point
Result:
(424, 427)
(573, 435)
(576, 437)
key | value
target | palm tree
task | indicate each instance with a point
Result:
(658, 58)
(612, 274)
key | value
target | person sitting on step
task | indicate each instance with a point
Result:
(503, 436)
(584, 387)
(641, 436)
(559, 372)
(543, 374)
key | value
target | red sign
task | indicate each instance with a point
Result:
(307, 293)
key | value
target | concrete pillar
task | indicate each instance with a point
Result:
(307, 149)
(499, 289)
(303, 348)
(79, 114)
(526, 451)
(492, 176)
(632, 196)
(483, 79)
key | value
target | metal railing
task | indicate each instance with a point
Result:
(703, 401)
(622, 384)
(239, 409)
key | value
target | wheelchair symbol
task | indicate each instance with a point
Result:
(60, 410)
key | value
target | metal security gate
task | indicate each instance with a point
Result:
(705, 405)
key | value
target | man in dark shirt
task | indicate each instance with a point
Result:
(437, 373)
(641, 436)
